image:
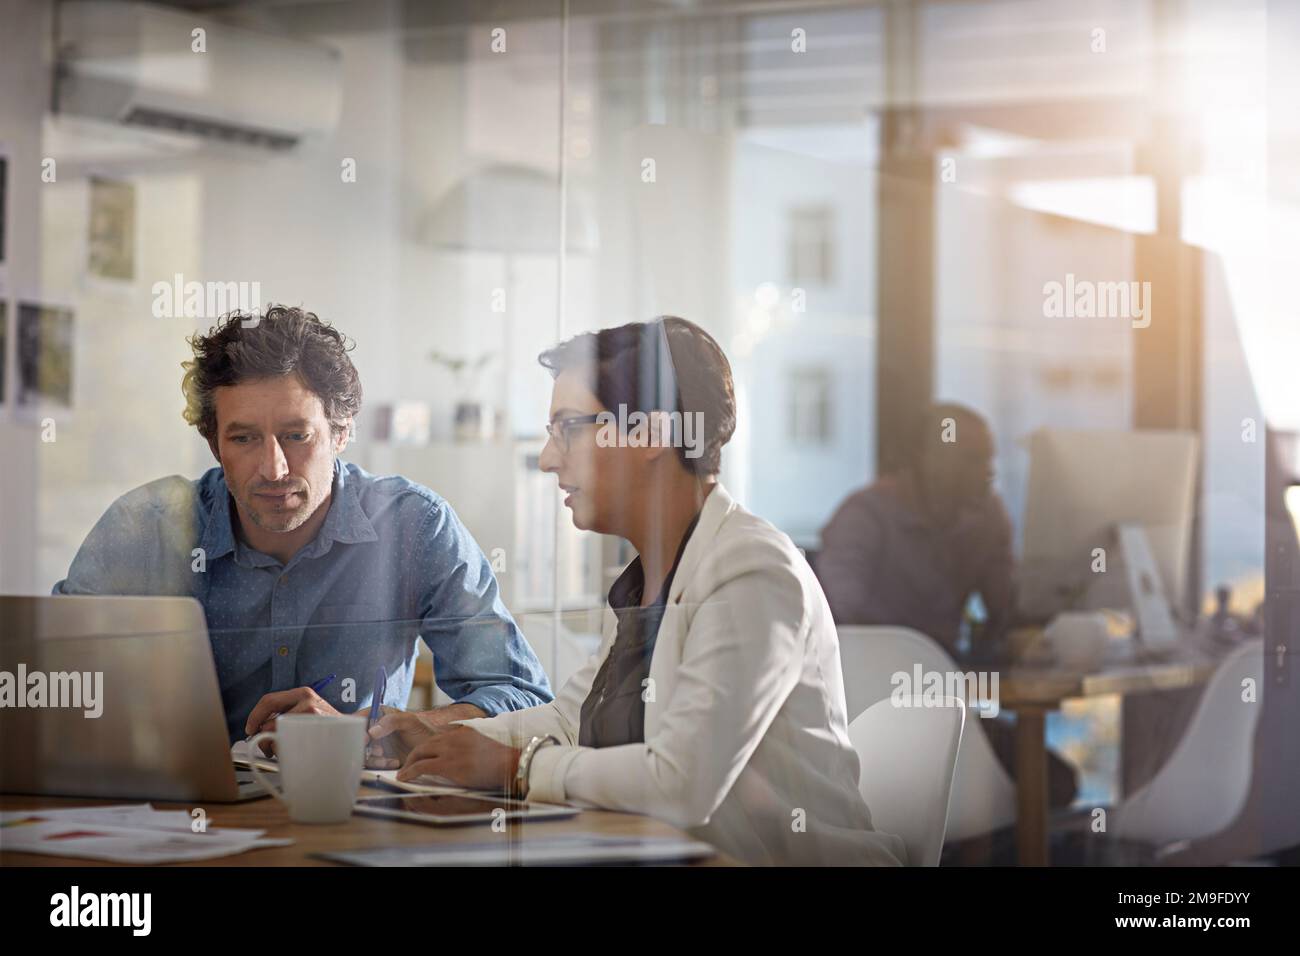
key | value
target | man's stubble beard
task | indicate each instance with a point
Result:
(296, 519)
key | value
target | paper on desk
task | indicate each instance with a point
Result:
(131, 815)
(123, 815)
(241, 754)
(134, 833)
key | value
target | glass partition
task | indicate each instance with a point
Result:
(1068, 223)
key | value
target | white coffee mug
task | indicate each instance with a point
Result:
(320, 761)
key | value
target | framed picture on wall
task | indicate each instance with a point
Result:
(43, 344)
(110, 239)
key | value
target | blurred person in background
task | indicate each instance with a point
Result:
(912, 549)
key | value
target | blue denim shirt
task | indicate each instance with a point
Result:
(391, 563)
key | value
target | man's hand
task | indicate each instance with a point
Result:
(299, 700)
(465, 757)
(398, 732)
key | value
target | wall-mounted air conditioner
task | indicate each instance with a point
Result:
(138, 65)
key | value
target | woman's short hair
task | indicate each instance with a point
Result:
(667, 364)
(284, 340)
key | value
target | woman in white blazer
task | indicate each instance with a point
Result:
(715, 701)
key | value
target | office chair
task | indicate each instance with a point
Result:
(983, 793)
(908, 755)
(1201, 789)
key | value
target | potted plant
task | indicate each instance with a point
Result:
(474, 419)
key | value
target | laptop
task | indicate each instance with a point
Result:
(113, 697)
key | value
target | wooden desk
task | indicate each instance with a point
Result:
(359, 832)
(1033, 692)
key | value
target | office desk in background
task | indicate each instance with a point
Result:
(1031, 693)
(360, 832)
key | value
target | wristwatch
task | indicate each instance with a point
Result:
(526, 763)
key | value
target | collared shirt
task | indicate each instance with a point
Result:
(390, 564)
(883, 563)
(614, 711)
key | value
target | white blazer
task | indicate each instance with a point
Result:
(746, 741)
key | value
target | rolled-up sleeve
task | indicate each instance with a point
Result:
(479, 655)
(141, 545)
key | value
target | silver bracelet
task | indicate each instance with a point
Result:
(526, 763)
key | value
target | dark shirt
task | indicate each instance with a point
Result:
(884, 563)
(614, 711)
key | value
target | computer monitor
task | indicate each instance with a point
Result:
(1084, 485)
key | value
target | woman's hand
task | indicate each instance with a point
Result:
(395, 735)
(465, 757)
(398, 732)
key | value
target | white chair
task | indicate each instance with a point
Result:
(907, 756)
(983, 793)
(1201, 789)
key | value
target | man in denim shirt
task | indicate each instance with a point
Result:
(306, 565)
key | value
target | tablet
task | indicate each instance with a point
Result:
(458, 808)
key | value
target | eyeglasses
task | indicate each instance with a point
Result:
(561, 429)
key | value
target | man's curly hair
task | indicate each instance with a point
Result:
(283, 340)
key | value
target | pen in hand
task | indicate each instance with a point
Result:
(316, 689)
(377, 701)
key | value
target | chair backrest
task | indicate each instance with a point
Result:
(983, 796)
(908, 755)
(1201, 789)
(870, 656)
